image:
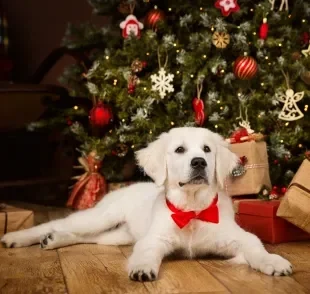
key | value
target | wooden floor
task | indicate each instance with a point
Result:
(101, 269)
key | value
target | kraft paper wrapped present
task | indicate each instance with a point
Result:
(295, 205)
(14, 219)
(256, 174)
(260, 218)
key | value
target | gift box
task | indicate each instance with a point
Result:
(256, 168)
(259, 217)
(295, 205)
(14, 219)
(116, 186)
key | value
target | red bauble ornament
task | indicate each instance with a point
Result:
(245, 67)
(263, 30)
(283, 190)
(100, 115)
(153, 17)
(198, 106)
(227, 6)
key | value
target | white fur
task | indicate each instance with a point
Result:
(138, 214)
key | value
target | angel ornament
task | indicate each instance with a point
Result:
(290, 110)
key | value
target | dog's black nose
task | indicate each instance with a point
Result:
(198, 163)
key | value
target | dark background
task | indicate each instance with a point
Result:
(36, 27)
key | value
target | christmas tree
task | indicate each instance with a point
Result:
(221, 64)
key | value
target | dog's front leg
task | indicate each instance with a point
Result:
(145, 261)
(249, 248)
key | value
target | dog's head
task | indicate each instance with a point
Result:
(188, 156)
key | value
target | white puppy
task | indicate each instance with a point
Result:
(189, 167)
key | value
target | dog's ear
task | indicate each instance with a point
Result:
(225, 160)
(153, 159)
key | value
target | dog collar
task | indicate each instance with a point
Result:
(182, 218)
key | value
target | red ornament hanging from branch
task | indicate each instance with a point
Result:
(245, 67)
(263, 30)
(100, 115)
(198, 106)
(227, 6)
(153, 17)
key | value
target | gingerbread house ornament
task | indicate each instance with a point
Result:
(131, 26)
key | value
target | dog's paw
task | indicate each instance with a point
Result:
(46, 241)
(274, 265)
(15, 240)
(142, 273)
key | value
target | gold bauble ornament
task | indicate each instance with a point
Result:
(306, 77)
(220, 39)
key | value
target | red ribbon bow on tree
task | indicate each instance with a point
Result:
(182, 218)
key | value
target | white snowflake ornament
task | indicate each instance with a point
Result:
(162, 82)
(290, 110)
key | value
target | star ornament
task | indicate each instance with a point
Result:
(227, 6)
(306, 52)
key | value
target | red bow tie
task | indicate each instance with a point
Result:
(182, 218)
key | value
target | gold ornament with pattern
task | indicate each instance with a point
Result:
(220, 39)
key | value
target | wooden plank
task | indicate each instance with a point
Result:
(30, 270)
(298, 253)
(96, 269)
(182, 276)
(242, 278)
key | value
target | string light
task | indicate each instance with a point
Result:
(123, 120)
(306, 108)
(254, 33)
(289, 16)
(169, 8)
(303, 20)
(75, 107)
(132, 146)
(239, 94)
(107, 57)
(212, 28)
(259, 116)
(286, 124)
(174, 44)
(204, 56)
(300, 145)
(218, 101)
(262, 84)
(110, 131)
(192, 76)
(178, 51)
(178, 72)
(221, 108)
(216, 126)
(201, 8)
(266, 57)
(280, 44)
(269, 63)
(151, 132)
(281, 141)
(172, 123)
(147, 53)
(114, 82)
(238, 27)
(251, 9)
(144, 88)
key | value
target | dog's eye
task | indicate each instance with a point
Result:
(180, 150)
(206, 148)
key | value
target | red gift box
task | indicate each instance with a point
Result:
(259, 217)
